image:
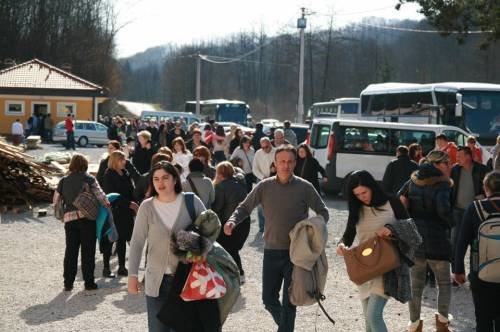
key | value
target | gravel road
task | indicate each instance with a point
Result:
(31, 296)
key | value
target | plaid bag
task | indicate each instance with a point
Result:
(86, 203)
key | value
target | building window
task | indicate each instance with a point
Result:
(14, 107)
(64, 109)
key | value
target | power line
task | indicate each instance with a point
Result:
(423, 31)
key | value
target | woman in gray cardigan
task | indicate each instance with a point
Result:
(165, 212)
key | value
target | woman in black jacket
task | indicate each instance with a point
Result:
(308, 167)
(230, 191)
(117, 180)
(103, 165)
(428, 198)
(143, 152)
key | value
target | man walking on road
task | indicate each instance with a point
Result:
(70, 132)
(286, 200)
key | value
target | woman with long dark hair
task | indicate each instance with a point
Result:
(246, 153)
(220, 144)
(158, 217)
(235, 141)
(370, 213)
(308, 167)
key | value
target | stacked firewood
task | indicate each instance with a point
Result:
(22, 180)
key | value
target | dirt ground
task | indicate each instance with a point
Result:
(31, 296)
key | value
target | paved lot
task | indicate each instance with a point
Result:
(31, 296)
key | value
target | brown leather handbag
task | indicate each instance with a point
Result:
(371, 259)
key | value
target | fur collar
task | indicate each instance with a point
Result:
(428, 175)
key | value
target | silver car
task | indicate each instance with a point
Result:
(86, 132)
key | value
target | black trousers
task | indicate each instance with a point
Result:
(79, 233)
(485, 296)
(121, 248)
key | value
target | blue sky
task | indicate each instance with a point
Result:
(148, 23)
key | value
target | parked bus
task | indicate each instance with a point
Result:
(474, 107)
(346, 108)
(222, 110)
(342, 146)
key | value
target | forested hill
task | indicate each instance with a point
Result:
(338, 63)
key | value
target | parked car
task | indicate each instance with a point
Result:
(86, 132)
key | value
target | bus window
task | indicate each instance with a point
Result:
(319, 136)
(455, 136)
(424, 103)
(406, 137)
(349, 108)
(407, 103)
(377, 105)
(392, 104)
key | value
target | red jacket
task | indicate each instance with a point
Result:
(451, 150)
(69, 125)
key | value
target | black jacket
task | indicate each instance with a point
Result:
(256, 139)
(103, 166)
(142, 157)
(397, 173)
(479, 171)
(122, 214)
(190, 146)
(308, 169)
(228, 195)
(429, 197)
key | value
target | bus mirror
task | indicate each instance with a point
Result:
(458, 105)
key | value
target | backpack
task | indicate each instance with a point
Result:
(488, 244)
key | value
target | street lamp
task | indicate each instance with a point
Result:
(301, 25)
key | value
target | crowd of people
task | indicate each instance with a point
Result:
(426, 204)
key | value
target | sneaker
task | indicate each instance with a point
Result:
(106, 273)
(242, 279)
(68, 288)
(92, 286)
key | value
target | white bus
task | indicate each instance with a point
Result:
(474, 107)
(342, 146)
(158, 116)
(346, 108)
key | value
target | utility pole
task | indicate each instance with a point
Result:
(198, 83)
(301, 25)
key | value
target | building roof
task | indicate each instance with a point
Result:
(36, 74)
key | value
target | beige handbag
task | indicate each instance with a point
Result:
(371, 259)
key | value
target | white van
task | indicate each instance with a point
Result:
(158, 116)
(343, 146)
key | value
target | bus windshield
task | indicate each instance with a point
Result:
(349, 108)
(221, 111)
(481, 113)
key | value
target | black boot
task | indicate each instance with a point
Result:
(122, 271)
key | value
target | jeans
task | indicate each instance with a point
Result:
(373, 309)
(277, 271)
(154, 305)
(458, 215)
(70, 140)
(79, 233)
(262, 220)
(485, 296)
(219, 156)
(441, 270)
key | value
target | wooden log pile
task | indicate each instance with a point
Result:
(22, 181)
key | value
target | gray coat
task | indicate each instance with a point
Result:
(397, 283)
(204, 187)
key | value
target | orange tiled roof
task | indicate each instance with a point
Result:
(40, 75)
